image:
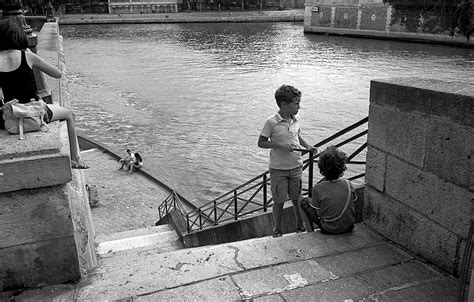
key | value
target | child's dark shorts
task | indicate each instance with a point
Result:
(286, 184)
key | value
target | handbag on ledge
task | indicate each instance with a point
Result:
(24, 117)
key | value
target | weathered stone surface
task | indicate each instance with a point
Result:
(404, 226)
(397, 276)
(33, 215)
(34, 172)
(156, 272)
(62, 292)
(365, 259)
(34, 144)
(218, 289)
(400, 133)
(375, 167)
(450, 152)
(271, 298)
(436, 199)
(452, 100)
(338, 290)
(276, 279)
(436, 290)
(43, 263)
(83, 226)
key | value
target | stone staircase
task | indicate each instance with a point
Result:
(135, 243)
(296, 267)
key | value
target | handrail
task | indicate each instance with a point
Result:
(240, 201)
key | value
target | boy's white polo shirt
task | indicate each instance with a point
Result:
(278, 129)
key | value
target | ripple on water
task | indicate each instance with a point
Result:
(192, 98)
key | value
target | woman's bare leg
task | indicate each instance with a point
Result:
(65, 114)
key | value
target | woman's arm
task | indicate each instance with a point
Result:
(42, 65)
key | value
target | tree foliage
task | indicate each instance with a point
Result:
(453, 17)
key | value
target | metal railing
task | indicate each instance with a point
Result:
(253, 196)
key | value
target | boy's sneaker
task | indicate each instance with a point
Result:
(300, 229)
(277, 233)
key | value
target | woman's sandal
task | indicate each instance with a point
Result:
(79, 165)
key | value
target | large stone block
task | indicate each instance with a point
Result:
(450, 151)
(452, 100)
(406, 227)
(34, 215)
(429, 195)
(39, 160)
(38, 264)
(400, 133)
(375, 167)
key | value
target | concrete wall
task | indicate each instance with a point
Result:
(46, 232)
(419, 182)
(368, 18)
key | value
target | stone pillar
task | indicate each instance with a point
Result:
(359, 16)
(333, 15)
(419, 184)
(46, 231)
(389, 19)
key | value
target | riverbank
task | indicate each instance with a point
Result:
(294, 15)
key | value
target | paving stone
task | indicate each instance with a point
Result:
(368, 258)
(270, 298)
(282, 277)
(438, 290)
(397, 276)
(338, 290)
(218, 289)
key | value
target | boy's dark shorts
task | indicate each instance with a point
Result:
(286, 184)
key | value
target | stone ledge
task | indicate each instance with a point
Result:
(449, 99)
(39, 160)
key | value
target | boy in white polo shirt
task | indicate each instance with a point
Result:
(281, 134)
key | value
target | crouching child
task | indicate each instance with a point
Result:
(331, 207)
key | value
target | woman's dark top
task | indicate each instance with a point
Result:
(20, 83)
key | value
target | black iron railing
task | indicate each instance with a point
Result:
(253, 196)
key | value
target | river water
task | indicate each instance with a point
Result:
(192, 98)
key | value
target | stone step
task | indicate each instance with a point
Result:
(294, 264)
(295, 267)
(133, 233)
(130, 248)
(164, 240)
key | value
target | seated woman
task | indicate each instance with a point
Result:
(332, 205)
(136, 164)
(18, 82)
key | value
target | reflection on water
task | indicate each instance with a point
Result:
(193, 97)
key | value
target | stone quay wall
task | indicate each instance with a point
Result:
(419, 181)
(46, 231)
(368, 18)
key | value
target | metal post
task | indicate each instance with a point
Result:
(215, 213)
(187, 221)
(264, 192)
(310, 174)
(200, 219)
(235, 205)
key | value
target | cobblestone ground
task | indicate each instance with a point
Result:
(127, 201)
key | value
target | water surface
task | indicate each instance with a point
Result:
(192, 98)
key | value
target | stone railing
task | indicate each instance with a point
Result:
(419, 184)
(46, 232)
